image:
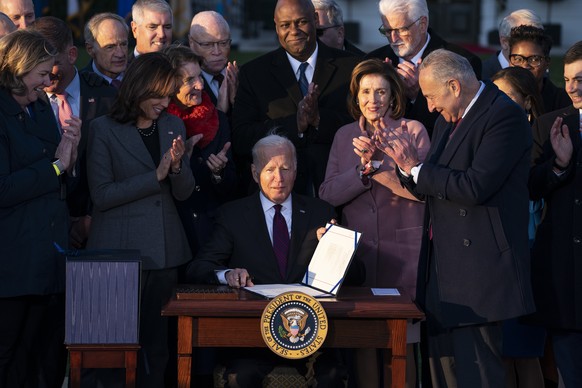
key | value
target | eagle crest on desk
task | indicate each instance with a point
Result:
(294, 320)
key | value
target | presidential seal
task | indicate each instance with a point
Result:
(294, 325)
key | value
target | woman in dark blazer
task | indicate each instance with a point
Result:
(136, 169)
(34, 158)
(207, 145)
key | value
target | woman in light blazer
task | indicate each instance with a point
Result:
(136, 168)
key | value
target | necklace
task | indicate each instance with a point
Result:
(152, 130)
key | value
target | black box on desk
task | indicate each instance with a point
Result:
(102, 296)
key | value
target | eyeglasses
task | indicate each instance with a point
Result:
(209, 45)
(321, 31)
(520, 60)
(402, 31)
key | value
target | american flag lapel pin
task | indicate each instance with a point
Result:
(91, 100)
(170, 132)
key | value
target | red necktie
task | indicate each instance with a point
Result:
(65, 110)
(280, 240)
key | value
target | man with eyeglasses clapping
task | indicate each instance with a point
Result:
(405, 25)
(210, 39)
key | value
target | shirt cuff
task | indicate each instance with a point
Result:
(221, 276)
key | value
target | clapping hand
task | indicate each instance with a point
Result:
(216, 163)
(561, 142)
(398, 144)
(308, 109)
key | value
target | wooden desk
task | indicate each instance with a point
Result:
(357, 319)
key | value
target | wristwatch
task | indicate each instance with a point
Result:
(58, 166)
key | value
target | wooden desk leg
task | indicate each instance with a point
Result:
(75, 366)
(184, 351)
(130, 368)
(397, 329)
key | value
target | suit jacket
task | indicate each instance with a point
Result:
(33, 216)
(419, 109)
(491, 66)
(97, 98)
(267, 98)
(387, 215)
(556, 273)
(132, 210)
(198, 211)
(553, 97)
(477, 203)
(240, 239)
(351, 48)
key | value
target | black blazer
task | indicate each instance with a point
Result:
(267, 98)
(491, 66)
(476, 192)
(240, 239)
(419, 110)
(97, 98)
(556, 272)
(33, 215)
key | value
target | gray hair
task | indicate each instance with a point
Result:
(518, 18)
(331, 9)
(92, 26)
(161, 6)
(446, 65)
(271, 141)
(7, 23)
(202, 19)
(413, 8)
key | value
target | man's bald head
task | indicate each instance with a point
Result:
(21, 12)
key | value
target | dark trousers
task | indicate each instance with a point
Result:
(467, 357)
(32, 333)
(156, 289)
(568, 355)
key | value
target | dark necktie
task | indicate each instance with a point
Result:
(115, 83)
(280, 240)
(303, 84)
(218, 78)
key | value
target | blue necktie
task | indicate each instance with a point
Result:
(303, 84)
(280, 240)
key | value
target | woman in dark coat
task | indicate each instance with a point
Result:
(208, 144)
(34, 159)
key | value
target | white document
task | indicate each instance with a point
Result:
(331, 259)
(272, 290)
(327, 269)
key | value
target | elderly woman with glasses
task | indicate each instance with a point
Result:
(207, 146)
(529, 47)
(137, 168)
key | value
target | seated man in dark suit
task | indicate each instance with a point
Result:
(245, 245)
(405, 25)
